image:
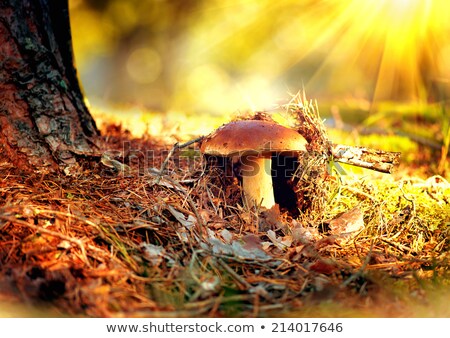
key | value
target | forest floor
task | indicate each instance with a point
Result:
(120, 238)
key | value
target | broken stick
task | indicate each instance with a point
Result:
(374, 159)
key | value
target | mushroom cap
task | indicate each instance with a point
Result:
(247, 137)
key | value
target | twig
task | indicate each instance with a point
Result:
(233, 274)
(188, 143)
(398, 246)
(164, 164)
(175, 147)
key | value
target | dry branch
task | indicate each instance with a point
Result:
(374, 159)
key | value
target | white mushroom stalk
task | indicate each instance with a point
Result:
(257, 181)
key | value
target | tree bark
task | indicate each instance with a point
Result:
(44, 122)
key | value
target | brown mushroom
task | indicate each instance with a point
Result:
(254, 142)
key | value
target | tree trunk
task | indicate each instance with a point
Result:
(44, 122)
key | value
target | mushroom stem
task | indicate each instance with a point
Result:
(257, 181)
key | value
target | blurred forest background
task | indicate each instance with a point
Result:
(373, 62)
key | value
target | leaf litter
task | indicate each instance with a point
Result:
(168, 236)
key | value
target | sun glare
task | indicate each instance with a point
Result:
(234, 55)
(379, 50)
(406, 40)
(397, 41)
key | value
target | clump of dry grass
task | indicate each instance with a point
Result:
(312, 180)
(133, 240)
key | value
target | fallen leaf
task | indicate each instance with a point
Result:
(237, 249)
(251, 242)
(270, 219)
(153, 253)
(323, 266)
(253, 254)
(109, 162)
(280, 243)
(347, 224)
(226, 235)
(304, 235)
(188, 221)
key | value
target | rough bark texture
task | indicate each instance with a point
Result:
(44, 123)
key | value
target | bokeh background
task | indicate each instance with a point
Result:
(219, 56)
(382, 64)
